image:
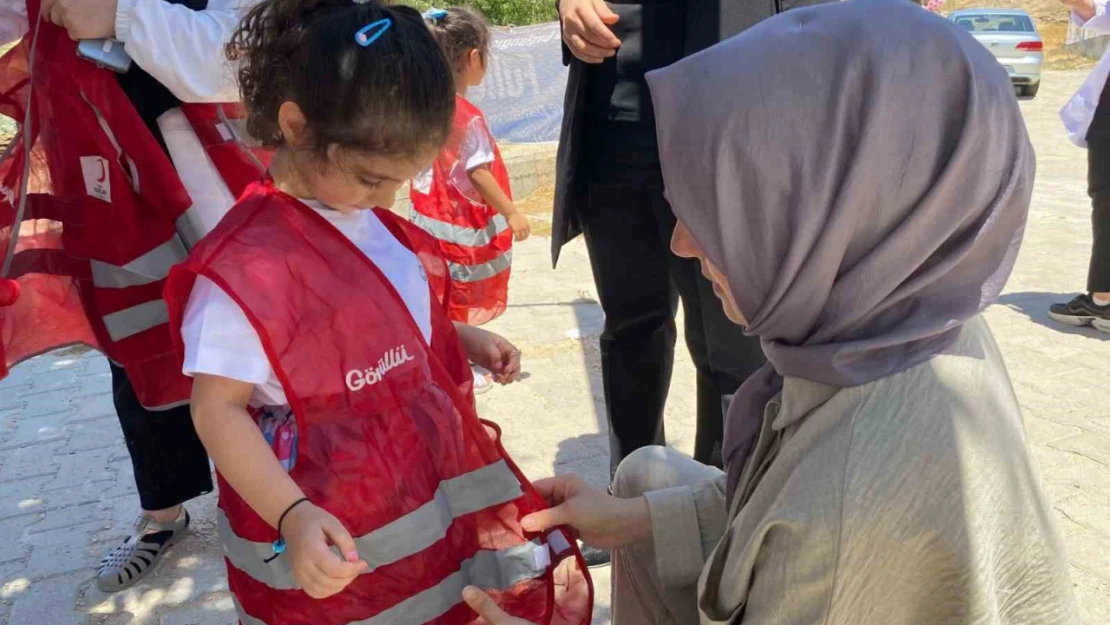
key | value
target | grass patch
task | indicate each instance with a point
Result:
(502, 12)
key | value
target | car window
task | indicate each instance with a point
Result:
(988, 23)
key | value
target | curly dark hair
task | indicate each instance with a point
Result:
(394, 96)
(461, 30)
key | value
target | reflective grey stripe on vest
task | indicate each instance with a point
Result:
(471, 237)
(474, 273)
(489, 486)
(497, 570)
(187, 229)
(131, 321)
(150, 267)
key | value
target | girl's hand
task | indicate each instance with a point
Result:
(491, 351)
(521, 228)
(489, 612)
(309, 531)
(598, 518)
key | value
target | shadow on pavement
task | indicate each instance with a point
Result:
(1035, 305)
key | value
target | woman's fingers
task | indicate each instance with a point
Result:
(546, 519)
(556, 490)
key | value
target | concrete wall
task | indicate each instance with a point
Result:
(1091, 48)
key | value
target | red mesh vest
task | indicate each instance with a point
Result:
(90, 207)
(475, 239)
(389, 441)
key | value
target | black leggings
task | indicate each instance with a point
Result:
(1098, 185)
(171, 466)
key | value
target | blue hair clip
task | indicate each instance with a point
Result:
(372, 32)
(435, 14)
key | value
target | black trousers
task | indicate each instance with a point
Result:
(627, 224)
(1098, 185)
(171, 466)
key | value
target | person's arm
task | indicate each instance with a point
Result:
(608, 522)
(13, 21)
(238, 447)
(181, 48)
(1089, 14)
(477, 153)
(482, 179)
(687, 523)
(245, 460)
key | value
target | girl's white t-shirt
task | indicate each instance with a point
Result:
(476, 150)
(219, 340)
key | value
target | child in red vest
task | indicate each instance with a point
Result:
(330, 388)
(463, 199)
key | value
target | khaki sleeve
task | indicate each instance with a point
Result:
(687, 523)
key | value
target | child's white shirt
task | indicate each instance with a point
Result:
(476, 150)
(220, 341)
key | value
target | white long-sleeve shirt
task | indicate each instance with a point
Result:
(184, 50)
(1078, 113)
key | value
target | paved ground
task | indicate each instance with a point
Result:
(66, 486)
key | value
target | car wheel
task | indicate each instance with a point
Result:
(1030, 91)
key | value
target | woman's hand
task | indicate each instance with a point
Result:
(491, 351)
(586, 29)
(308, 532)
(481, 603)
(598, 518)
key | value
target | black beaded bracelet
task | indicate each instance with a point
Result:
(279, 544)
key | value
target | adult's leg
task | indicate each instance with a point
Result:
(1093, 307)
(171, 467)
(170, 463)
(633, 283)
(723, 355)
(639, 597)
(1098, 184)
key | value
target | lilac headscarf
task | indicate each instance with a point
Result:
(861, 173)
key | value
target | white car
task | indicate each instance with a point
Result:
(1012, 37)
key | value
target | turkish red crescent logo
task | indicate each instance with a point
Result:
(103, 172)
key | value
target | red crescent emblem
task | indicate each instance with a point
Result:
(103, 172)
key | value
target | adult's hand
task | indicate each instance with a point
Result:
(83, 19)
(598, 518)
(1085, 9)
(481, 603)
(586, 29)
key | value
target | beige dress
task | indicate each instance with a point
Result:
(909, 500)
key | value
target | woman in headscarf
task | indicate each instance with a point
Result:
(856, 189)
